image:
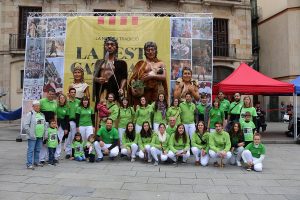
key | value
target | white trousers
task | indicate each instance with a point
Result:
(215, 155)
(44, 153)
(172, 155)
(247, 157)
(58, 148)
(85, 132)
(70, 138)
(138, 128)
(121, 132)
(237, 155)
(148, 150)
(112, 153)
(190, 129)
(156, 152)
(197, 153)
(134, 147)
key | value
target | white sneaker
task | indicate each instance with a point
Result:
(155, 163)
(238, 163)
(132, 160)
(149, 160)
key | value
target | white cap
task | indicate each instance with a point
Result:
(36, 102)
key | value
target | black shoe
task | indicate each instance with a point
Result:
(99, 159)
(56, 161)
(38, 164)
(68, 156)
(111, 158)
(43, 162)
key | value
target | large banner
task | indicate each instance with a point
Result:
(57, 45)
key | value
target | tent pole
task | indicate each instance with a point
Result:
(295, 115)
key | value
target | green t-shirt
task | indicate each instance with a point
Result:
(125, 115)
(47, 105)
(215, 115)
(247, 128)
(143, 114)
(73, 105)
(142, 141)
(187, 112)
(174, 112)
(179, 145)
(155, 142)
(235, 109)
(78, 148)
(114, 113)
(252, 110)
(108, 137)
(126, 142)
(62, 111)
(256, 151)
(224, 105)
(85, 118)
(201, 141)
(201, 108)
(219, 141)
(52, 141)
(171, 130)
(158, 116)
(40, 125)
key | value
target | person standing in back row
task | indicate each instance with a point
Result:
(188, 109)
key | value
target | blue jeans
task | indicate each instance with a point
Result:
(80, 158)
(33, 150)
(51, 152)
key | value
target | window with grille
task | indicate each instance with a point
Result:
(221, 46)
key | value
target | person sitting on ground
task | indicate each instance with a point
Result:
(129, 142)
(254, 154)
(219, 145)
(237, 143)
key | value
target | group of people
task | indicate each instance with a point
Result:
(143, 124)
(153, 132)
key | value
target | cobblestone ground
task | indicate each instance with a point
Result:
(121, 179)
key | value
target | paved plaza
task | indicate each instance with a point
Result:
(121, 179)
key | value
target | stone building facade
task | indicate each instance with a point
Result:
(232, 31)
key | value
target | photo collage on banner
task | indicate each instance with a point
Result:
(44, 58)
(191, 47)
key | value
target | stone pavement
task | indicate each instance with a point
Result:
(121, 179)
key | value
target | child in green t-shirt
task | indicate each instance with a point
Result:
(248, 128)
(78, 148)
(89, 149)
(254, 154)
(52, 141)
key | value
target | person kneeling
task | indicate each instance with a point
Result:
(254, 154)
(107, 141)
(129, 142)
(160, 144)
(219, 145)
(179, 145)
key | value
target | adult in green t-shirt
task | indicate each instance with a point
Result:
(160, 144)
(174, 111)
(160, 107)
(130, 142)
(113, 108)
(171, 129)
(48, 107)
(126, 115)
(235, 108)
(142, 114)
(73, 103)
(215, 115)
(188, 110)
(107, 141)
(85, 119)
(254, 154)
(144, 142)
(62, 113)
(200, 146)
(34, 126)
(219, 145)
(179, 145)
(247, 107)
(224, 104)
(203, 109)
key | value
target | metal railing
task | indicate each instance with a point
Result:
(225, 50)
(17, 42)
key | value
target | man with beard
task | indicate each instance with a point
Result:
(235, 108)
(110, 74)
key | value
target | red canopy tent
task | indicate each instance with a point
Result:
(246, 80)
